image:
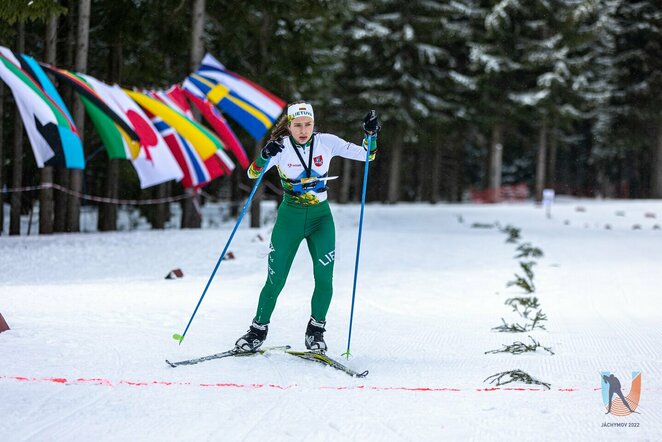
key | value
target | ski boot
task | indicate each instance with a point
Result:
(315, 336)
(253, 339)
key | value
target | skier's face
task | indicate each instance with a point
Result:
(301, 129)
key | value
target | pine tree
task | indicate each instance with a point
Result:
(287, 45)
(637, 124)
(396, 64)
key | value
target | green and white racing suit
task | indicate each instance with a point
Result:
(304, 214)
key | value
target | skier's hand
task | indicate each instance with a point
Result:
(371, 123)
(272, 148)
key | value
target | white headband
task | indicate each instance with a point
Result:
(300, 110)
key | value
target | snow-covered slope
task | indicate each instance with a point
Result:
(92, 318)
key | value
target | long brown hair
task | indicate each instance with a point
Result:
(280, 128)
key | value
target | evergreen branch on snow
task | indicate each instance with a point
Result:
(526, 303)
(519, 347)
(511, 328)
(519, 328)
(524, 282)
(526, 250)
(482, 226)
(512, 232)
(507, 377)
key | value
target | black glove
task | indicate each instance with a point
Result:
(370, 123)
(272, 148)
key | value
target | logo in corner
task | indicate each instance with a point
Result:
(612, 397)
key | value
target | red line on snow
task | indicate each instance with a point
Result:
(109, 383)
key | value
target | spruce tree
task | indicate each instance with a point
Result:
(637, 63)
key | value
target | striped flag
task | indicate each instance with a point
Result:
(250, 105)
(118, 137)
(181, 105)
(220, 125)
(197, 172)
(48, 125)
(152, 160)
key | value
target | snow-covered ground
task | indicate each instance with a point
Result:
(92, 316)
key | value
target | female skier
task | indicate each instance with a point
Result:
(302, 158)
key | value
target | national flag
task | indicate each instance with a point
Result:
(192, 166)
(72, 147)
(250, 105)
(118, 137)
(223, 161)
(44, 120)
(203, 140)
(154, 164)
(220, 125)
(197, 172)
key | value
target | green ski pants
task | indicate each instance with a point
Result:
(294, 224)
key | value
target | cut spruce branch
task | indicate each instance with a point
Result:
(511, 328)
(519, 328)
(512, 232)
(507, 377)
(526, 250)
(482, 226)
(523, 305)
(519, 347)
(524, 282)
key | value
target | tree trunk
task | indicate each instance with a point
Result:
(435, 168)
(46, 202)
(459, 158)
(495, 162)
(107, 221)
(394, 167)
(17, 163)
(190, 206)
(550, 180)
(76, 175)
(235, 192)
(197, 32)
(61, 174)
(61, 198)
(191, 217)
(357, 180)
(541, 160)
(160, 212)
(255, 204)
(46, 193)
(656, 172)
(345, 184)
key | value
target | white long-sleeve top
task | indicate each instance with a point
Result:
(295, 178)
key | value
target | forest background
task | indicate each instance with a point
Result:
(471, 94)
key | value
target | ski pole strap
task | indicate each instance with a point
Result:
(370, 140)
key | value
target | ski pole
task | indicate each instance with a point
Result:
(177, 336)
(358, 245)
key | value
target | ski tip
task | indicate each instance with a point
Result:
(362, 375)
(178, 337)
(170, 363)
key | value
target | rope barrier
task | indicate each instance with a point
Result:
(149, 201)
(98, 199)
